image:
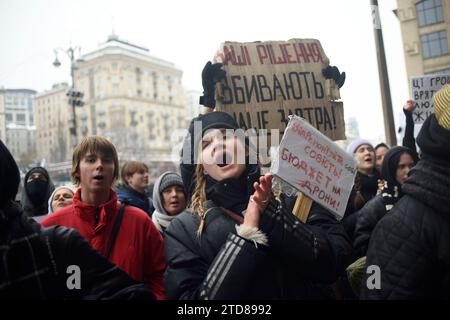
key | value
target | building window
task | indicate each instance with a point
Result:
(20, 117)
(429, 12)
(9, 117)
(434, 44)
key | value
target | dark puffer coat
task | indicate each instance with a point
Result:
(411, 244)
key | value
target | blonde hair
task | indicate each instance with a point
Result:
(93, 144)
(199, 197)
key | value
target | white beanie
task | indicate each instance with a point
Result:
(50, 210)
(355, 144)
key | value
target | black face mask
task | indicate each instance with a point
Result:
(37, 191)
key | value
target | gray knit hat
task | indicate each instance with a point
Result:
(170, 179)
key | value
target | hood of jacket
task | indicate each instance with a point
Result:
(160, 216)
(429, 182)
(36, 209)
(389, 170)
(157, 201)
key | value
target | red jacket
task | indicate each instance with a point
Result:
(138, 248)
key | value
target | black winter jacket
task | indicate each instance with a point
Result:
(135, 199)
(38, 263)
(366, 220)
(411, 244)
(368, 188)
(222, 265)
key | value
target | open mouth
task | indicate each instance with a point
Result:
(224, 159)
(98, 178)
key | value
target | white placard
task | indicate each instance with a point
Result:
(422, 90)
(314, 165)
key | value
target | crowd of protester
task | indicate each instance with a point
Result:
(217, 231)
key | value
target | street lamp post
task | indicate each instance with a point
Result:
(389, 126)
(75, 97)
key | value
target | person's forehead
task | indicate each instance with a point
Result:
(64, 191)
(364, 146)
(406, 157)
(211, 133)
(37, 175)
(176, 186)
(96, 154)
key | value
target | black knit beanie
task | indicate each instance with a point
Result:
(211, 120)
(434, 140)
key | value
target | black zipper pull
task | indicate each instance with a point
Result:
(97, 216)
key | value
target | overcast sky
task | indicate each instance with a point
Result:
(189, 32)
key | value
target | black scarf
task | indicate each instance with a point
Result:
(368, 184)
(429, 182)
(233, 194)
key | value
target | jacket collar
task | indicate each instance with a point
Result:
(88, 211)
(233, 194)
(126, 188)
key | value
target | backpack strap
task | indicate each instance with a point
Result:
(116, 228)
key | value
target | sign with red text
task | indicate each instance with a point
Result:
(423, 89)
(314, 165)
(266, 82)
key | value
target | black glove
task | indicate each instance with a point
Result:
(211, 74)
(332, 72)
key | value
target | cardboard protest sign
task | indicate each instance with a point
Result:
(314, 165)
(266, 82)
(422, 90)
